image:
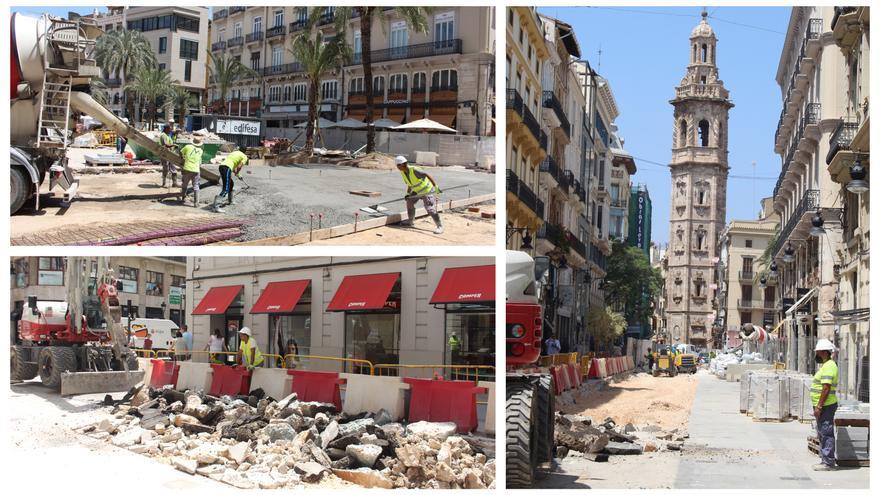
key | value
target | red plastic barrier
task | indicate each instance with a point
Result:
(164, 373)
(230, 380)
(594, 369)
(573, 375)
(558, 384)
(444, 400)
(317, 386)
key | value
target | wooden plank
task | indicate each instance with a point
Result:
(369, 194)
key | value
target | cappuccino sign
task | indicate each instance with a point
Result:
(245, 127)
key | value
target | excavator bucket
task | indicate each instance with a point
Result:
(94, 382)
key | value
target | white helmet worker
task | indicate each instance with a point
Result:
(824, 345)
(246, 331)
(400, 160)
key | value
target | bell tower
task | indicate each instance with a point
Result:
(699, 190)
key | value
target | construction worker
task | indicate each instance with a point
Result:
(454, 344)
(166, 140)
(824, 398)
(232, 164)
(419, 185)
(192, 162)
(249, 354)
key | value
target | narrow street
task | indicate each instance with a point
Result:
(722, 448)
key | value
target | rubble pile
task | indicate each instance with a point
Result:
(254, 441)
(575, 433)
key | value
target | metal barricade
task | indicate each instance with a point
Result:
(145, 353)
(475, 372)
(349, 365)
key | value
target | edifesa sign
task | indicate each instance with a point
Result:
(226, 126)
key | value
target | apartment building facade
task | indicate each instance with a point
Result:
(445, 74)
(179, 37)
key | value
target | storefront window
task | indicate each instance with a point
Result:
(155, 283)
(470, 336)
(373, 336)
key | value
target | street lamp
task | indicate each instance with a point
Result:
(857, 173)
(788, 255)
(526, 237)
(817, 230)
(762, 282)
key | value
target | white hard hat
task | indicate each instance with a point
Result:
(400, 160)
(246, 331)
(824, 345)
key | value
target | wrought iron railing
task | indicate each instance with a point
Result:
(445, 47)
(524, 193)
(551, 102)
(839, 11)
(282, 69)
(235, 10)
(809, 203)
(549, 166)
(298, 25)
(841, 138)
(220, 14)
(257, 36)
(237, 41)
(276, 31)
(219, 45)
(814, 30)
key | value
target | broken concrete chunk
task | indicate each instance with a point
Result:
(621, 448)
(444, 473)
(472, 480)
(674, 445)
(310, 471)
(329, 434)
(234, 478)
(128, 437)
(279, 431)
(431, 431)
(365, 455)
(365, 477)
(188, 466)
(356, 427)
(238, 452)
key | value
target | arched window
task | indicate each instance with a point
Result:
(682, 133)
(704, 133)
(704, 53)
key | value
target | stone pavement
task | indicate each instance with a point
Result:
(727, 449)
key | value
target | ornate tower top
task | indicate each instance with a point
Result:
(702, 80)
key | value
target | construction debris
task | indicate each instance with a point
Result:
(253, 441)
(576, 433)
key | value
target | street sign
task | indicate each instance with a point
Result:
(174, 295)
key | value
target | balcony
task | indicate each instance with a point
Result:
(802, 66)
(554, 235)
(746, 275)
(298, 25)
(577, 245)
(808, 204)
(811, 116)
(220, 14)
(598, 258)
(327, 18)
(236, 10)
(758, 305)
(618, 203)
(550, 101)
(841, 139)
(841, 12)
(550, 170)
(515, 103)
(421, 50)
(277, 70)
(276, 31)
(220, 45)
(525, 194)
(233, 42)
(254, 37)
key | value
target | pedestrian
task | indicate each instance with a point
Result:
(553, 345)
(824, 397)
(454, 344)
(121, 142)
(187, 340)
(419, 186)
(166, 140)
(650, 360)
(148, 341)
(179, 347)
(249, 354)
(232, 164)
(192, 163)
(291, 359)
(215, 345)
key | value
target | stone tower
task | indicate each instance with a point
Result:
(699, 191)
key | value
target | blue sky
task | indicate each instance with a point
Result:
(644, 56)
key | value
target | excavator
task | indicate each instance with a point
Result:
(77, 346)
(52, 65)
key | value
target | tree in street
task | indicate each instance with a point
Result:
(123, 53)
(318, 55)
(605, 325)
(154, 87)
(224, 71)
(416, 19)
(631, 282)
(180, 101)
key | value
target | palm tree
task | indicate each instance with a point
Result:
(180, 100)
(416, 19)
(153, 86)
(98, 90)
(122, 53)
(224, 71)
(317, 57)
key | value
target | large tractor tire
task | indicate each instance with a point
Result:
(19, 188)
(521, 439)
(19, 368)
(54, 362)
(546, 405)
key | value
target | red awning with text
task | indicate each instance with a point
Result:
(359, 292)
(468, 284)
(217, 300)
(280, 297)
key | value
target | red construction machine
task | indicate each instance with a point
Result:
(76, 346)
(530, 407)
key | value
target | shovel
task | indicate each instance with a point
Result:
(377, 209)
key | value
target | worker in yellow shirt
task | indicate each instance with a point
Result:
(249, 354)
(824, 398)
(419, 186)
(166, 140)
(232, 164)
(192, 163)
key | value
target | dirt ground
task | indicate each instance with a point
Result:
(638, 399)
(460, 227)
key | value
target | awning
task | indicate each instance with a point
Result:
(217, 300)
(280, 297)
(467, 284)
(445, 120)
(359, 292)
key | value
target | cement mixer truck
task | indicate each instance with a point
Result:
(52, 65)
(530, 406)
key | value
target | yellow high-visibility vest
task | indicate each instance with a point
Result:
(245, 349)
(192, 158)
(417, 186)
(826, 374)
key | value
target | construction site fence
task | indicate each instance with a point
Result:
(450, 149)
(447, 371)
(557, 359)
